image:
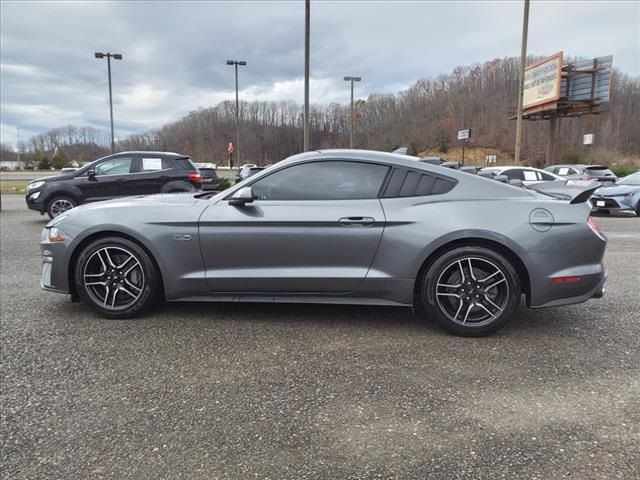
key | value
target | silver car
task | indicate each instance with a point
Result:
(342, 227)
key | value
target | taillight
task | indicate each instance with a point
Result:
(586, 177)
(195, 177)
(596, 229)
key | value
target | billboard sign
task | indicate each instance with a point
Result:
(542, 81)
(588, 139)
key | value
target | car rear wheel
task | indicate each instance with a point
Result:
(470, 291)
(116, 278)
(60, 204)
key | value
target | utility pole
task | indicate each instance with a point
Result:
(523, 59)
(307, 27)
(237, 149)
(19, 166)
(115, 56)
(351, 79)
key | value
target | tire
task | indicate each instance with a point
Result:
(59, 204)
(457, 298)
(117, 278)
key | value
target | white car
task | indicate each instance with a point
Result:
(528, 175)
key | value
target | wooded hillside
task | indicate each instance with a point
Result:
(427, 116)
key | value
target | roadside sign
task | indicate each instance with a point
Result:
(490, 159)
(230, 147)
(588, 139)
(464, 134)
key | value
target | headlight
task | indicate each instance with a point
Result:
(34, 185)
(56, 235)
(34, 196)
(629, 195)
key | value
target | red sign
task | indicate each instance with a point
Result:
(230, 148)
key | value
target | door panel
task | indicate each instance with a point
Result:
(111, 180)
(319, 246)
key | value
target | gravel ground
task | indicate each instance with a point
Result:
(209, 391)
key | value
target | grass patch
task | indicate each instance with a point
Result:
(13, 186)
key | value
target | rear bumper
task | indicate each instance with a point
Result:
(595, 288)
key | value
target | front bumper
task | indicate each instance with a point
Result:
(55, 261)
(36, 201)
(618, 204)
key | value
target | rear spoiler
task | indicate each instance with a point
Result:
(573, 193)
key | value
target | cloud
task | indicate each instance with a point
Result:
(175, 52)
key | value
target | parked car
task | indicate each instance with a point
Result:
(120, 175)
(243, 172)
(527, 175)
(337, 226)
(596, 173)
(210, 179)
(623, 197)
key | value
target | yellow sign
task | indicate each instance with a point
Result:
(542, 81)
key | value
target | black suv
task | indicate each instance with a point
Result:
(119, 175)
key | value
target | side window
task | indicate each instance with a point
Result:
(546, 176)
(514, 174)
(151, 163)
(114, 166)
(327, 180)
(530, 175)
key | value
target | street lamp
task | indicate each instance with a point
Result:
(115, 56)
(235, 63)
(351, 79)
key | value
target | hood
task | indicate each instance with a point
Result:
(615, 190)
(54, 178)
(128, 203)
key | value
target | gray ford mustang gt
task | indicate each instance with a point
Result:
(337, 226)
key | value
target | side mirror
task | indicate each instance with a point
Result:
(241, 197)
(91, 174)
(516, 182)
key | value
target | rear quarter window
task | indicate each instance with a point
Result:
(403, 183)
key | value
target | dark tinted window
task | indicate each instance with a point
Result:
(329, 180)
(185, 163)
(513, 174)
(547, 177)
(598, 172)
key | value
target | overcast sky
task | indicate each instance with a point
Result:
(175, 52)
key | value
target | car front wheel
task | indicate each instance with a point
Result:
(470, 291)
(60, 204)
(116, 278)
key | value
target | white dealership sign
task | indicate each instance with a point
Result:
(542, 81)
(464, 134)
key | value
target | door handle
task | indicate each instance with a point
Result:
(357, 221)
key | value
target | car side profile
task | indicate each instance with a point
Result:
(527, 175)
(336, 226)
(120, 175)
(596, 173)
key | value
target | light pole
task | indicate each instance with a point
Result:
(115, 56)
(307, 22)
(523, 59)
(235, 63)
(351, 79)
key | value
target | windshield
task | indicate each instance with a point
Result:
(633, 179)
